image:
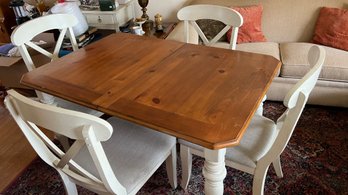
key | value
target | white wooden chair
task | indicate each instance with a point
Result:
(264, 140)
(22, 37)
(230, 17)
(120, 165)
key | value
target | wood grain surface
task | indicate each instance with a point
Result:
(201, 94)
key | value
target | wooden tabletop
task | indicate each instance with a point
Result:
(201, 94)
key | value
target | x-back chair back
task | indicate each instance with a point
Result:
(23, 35)
(230, 17)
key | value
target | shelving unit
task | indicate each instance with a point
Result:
(110, 19)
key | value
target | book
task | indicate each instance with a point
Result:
(85, 35)
(86, 41)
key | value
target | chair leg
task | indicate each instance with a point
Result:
(69, 186)
(171, 168)
(186, 165)
(259, 179)
(278, 167)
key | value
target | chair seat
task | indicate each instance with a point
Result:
(256, 141)
(72, 106)
(140, 148)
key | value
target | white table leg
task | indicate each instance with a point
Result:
(46, 98)
(214, 171)
(259, 110)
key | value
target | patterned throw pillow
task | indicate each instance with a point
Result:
(211, 28)
(332, 28)
(250, 31)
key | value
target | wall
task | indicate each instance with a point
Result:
(167, 8)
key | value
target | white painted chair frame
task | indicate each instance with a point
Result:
(22, 37)
(88, 131)
(230, 17)
(295, 101)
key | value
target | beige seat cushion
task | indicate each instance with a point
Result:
(295, 63)
(267, 48)
(256, 141)
(133, 152)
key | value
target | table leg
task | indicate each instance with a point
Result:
(259, 110)
(214, 171)
(46, 98)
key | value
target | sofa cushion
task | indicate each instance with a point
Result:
(267, 48)
(332, 28)
(250, 31)
(295, 63)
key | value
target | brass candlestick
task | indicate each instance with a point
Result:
(148, 23)
(143, 4)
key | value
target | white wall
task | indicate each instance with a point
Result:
(167, 8)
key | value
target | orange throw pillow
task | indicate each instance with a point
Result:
(250, 31)
(332, 28)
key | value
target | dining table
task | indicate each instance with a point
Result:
(204, 95)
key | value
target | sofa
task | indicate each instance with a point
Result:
(288, 26)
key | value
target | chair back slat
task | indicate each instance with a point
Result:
(73, 150)
(231, 18)
(40, 49)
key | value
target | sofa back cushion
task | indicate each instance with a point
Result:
(295, 63)
(285, 20)
(250, 31)
(332, 28)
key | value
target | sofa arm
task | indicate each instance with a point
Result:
(178, 34)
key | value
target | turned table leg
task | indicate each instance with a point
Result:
(214, 171)
(259, 110)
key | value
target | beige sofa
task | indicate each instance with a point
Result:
(288, 26)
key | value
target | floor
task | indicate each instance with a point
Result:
(15, 151)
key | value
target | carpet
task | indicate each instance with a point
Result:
(314, 162)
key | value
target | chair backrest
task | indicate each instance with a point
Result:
(86, 129)
(22, 36)
(295, 101)
(228, 16)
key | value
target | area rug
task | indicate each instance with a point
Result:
(314, 162)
